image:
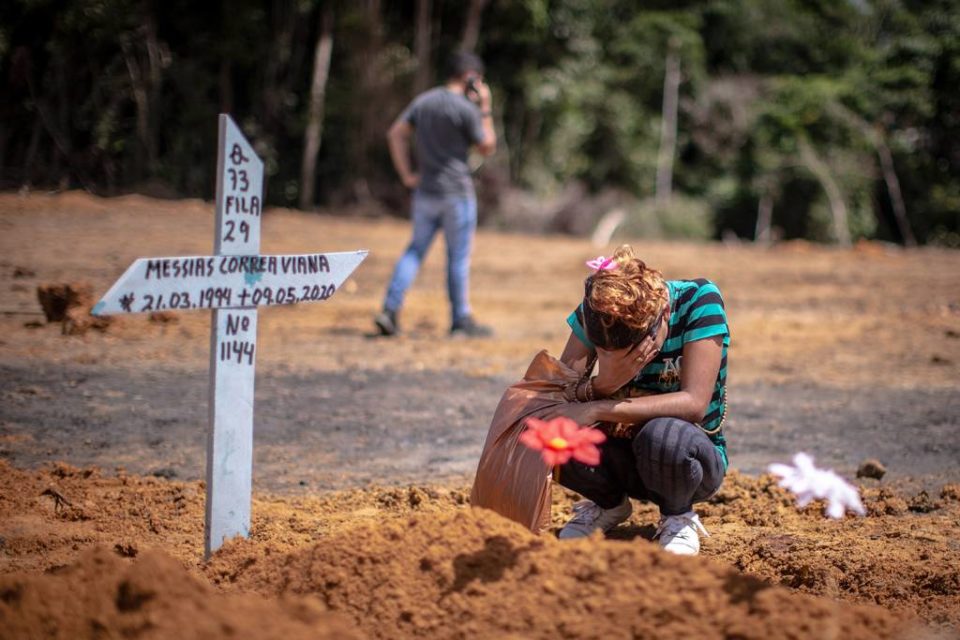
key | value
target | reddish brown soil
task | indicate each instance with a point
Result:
(106, 553)
(418, 562)
(102, 596)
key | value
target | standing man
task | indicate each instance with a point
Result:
(446, 122)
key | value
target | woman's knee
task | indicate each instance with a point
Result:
(678, 462)
(672, 442)
(667, 439)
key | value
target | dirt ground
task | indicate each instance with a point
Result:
(364, 446)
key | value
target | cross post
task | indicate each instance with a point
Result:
(233, 282)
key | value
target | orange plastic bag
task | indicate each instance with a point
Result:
(511, 479)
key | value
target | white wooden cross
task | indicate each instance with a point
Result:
(233, 283)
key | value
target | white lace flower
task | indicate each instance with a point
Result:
(809, 483)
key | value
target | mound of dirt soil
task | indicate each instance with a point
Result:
(902, 556)
(470, 574)
(103, 596)
(416, 561)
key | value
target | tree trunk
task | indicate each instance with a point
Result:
(4, 138)
(318, 89)
(284, 22)
(668, 126)
(893, 189)
(421, 46)
(63, 111)
(28, 165)
(138, 87)
(225, 84)
(61, 149)
(145, 83)
(154, 85)
(609, 222)
(225, 74)
(373, 120)
(838, 209)
(877, 138)
(761, 234)
(471, 28)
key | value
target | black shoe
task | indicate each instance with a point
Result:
(468, 328)
(386, 322)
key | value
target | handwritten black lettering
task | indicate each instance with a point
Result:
(241, 205)
(241, 351)
(236, 155)
(247, 264)
(317, 263)
(238, 178)
(154, 268)
(215, 297)
(237, 323)
(177, 268)
(227, 296)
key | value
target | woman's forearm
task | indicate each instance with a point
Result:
(679, 404)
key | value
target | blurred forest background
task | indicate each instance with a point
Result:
(830, 120)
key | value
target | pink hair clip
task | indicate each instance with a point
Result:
(602, 264)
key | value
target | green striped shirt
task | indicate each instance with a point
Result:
(696, 313)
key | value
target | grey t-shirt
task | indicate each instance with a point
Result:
(446, 125)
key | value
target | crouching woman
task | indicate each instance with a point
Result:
(660, 349)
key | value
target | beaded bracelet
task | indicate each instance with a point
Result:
(581, 386)
(584, 391)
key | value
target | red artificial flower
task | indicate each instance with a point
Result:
(560, 439)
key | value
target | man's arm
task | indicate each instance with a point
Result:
(398, 140)
(488, 145)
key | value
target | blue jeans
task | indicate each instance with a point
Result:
(457, 216)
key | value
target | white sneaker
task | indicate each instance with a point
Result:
(678, 534)
(588, 517)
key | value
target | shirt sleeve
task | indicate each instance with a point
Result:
(706, 315)
(578, 331)
(411, 113)
(474, 123)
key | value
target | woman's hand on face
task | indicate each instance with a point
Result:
(617, 368)
(583, 413)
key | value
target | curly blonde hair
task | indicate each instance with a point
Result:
(621, 305)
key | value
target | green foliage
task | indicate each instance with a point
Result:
(689, 218)
(778, 100)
